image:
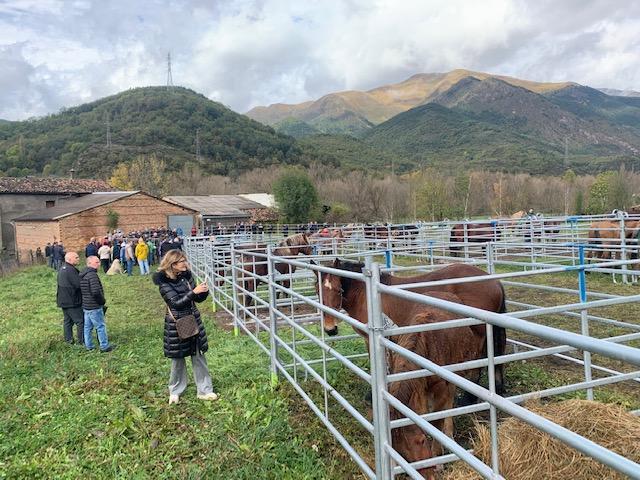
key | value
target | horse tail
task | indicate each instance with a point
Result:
(500, 344)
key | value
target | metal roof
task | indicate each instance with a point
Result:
(64, 208)
(216, 205)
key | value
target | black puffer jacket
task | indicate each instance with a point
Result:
(92, 292)
(179, 297)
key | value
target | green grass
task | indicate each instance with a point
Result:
(68, 413)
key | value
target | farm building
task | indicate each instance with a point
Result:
(76, 220)
(19, 196)
(225, 209)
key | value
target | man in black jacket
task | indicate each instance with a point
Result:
(69, 298)
(93, 306)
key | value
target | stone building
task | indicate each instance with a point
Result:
(19, 196)
(76, 220)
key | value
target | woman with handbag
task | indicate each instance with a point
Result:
(184, 333)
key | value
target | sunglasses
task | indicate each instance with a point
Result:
(179, 261)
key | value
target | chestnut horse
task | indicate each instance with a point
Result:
(605, 234)
(486, 295)
(443, 347)
(288, 247)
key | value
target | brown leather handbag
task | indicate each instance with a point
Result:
(186, 326)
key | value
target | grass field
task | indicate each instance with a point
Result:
(68, 413)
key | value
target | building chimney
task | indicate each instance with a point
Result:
(72, 173)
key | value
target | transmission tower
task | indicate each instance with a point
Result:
(169, 77)
(198, 158)
(108, 132)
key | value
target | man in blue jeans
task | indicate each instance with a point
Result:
(93, 302)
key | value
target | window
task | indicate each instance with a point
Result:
(50, 203)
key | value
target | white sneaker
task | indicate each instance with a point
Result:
(173, 399)
(208, 396)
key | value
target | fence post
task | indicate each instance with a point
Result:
(623, 248)
(584, 320)
(273, 321)
(490, 262)
(234, 289)
(378, 362)
(466, 240)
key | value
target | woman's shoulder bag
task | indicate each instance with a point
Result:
(186, 326)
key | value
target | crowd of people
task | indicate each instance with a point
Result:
(81, 297)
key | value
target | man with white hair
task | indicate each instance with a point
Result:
(69, 298)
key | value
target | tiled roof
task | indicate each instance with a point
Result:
(52, 185)
(68, 207)
(216, 205)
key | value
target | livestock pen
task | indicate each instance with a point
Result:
(582, 332)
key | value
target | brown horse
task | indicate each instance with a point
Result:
(486, 295)
(481, 232)
(604, 235)
(325, 236)
(288, 247)
(443, 347)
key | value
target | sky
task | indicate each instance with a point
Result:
(244, 53)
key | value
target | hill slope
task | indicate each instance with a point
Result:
(365, 109)
(148, 120)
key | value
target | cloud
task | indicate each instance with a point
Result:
(256, 52)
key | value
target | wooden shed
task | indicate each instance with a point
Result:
(76, 220)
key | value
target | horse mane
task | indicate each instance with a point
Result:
(351, 266)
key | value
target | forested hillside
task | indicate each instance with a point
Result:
(152, 120)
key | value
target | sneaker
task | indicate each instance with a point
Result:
(208, 396)
(109, 349)
(173, 399)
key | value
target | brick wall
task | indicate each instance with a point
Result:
(31, 235)
(136, 212)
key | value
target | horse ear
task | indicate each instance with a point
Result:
(336, 263)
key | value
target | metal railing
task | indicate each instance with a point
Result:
(286, 319)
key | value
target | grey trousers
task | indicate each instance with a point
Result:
(178, 378)
(73, 316)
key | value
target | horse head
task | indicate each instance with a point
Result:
(329, 289)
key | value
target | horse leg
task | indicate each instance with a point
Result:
(250, 286)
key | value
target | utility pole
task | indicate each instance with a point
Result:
(198, 158)
(108, 131)
(169, 76)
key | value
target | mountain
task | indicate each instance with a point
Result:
(496, 125)
(151, 120)
(620, 93)
(569, 118)
(355, 112)
(434, 135)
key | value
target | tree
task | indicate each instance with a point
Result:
(112, 219)
(569, 179)
(120, 178)
(599, 194)
(296, 196)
